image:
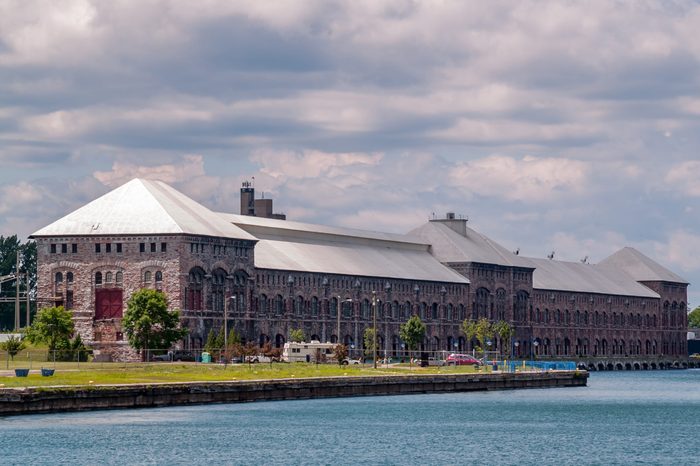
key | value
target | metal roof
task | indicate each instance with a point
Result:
(142, 207)
(449, 246)
(250, 223)
(284, 245)
(577, 277)
(640, 267)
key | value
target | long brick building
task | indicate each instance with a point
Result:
(270, 276)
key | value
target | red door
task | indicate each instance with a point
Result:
(108, 303)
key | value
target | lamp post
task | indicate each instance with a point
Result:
(516, 344)
(226, 319)
(535, 344)
(374, 333)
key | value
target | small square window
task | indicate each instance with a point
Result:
(119, 247)
(108, 247)
(163, 247)
(142, 247)
(97, 247)
(64, 248)
(74, 248)
(53, 249)
(153, 247)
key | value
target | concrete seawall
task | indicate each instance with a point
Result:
(65, 398)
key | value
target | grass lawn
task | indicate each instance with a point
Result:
(125, 373)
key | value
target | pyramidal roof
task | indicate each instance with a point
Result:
(640, 267)
(142, 207)
(558, 275)
(466, 245)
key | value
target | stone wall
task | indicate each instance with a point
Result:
(31, 400)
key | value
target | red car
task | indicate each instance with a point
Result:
(462, 360)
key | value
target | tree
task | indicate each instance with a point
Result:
(369, 341)
(210, 344)
(12, 345)
(340, 352)
(505, 331)
(53, 326)
(233, 337)
(412, 333)
(148, 323)
(297, 335)
(481, 329)
(694, 318)
(9, 246)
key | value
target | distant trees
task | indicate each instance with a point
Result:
(9, 245)
(694, 318)
(484, 331)
(53, 326)
(369, 339)
(148, 323)
(296, 335)
(12, 346)
(412, 333)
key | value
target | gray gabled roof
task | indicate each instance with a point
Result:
(577, 277)
(143, 207)
(305, 247)
(449, 246)
(640, 267)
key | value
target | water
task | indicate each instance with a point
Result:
(620, 418)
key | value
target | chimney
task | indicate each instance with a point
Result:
(458, 225)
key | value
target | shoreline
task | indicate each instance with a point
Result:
(50, 399)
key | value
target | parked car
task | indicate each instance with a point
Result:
(462, 360)
(236, 360)
(350, 361)
(260, 358)
(175, 355)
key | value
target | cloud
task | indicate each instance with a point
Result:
(189, 166)
(682, 249)
(527, 179)
(19, 196)
(685, 178)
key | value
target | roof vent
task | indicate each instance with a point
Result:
(450, 216)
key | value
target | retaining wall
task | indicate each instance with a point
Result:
(65, 398)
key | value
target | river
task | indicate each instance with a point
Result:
(620, 418)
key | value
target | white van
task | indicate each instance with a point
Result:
(308, 352)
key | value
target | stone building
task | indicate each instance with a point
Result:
(268, 276)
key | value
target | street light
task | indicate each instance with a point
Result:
(374, 345)
(535, 344)
(516, 344)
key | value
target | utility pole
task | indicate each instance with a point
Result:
(26, 282)
(17, 293)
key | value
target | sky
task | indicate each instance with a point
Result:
(562, 126)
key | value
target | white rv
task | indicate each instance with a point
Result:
(308, 352)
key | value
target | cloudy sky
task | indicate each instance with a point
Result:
(555, 126)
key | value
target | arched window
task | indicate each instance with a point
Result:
(449, 312)
(262, 304)
(366, 309)
(159, 276)
(481, 303)
(501, 304)
(333, 307)
(395, 310)
(299, 305)
(218, 292)
(314, 306)
(434, 311)
(279, 304)
(147, 276)
(69, 277)
(194, 289)
(520, 305)
(407, 309)
(108, 277)
(98, 278)
(119, 278)
(59, 278)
